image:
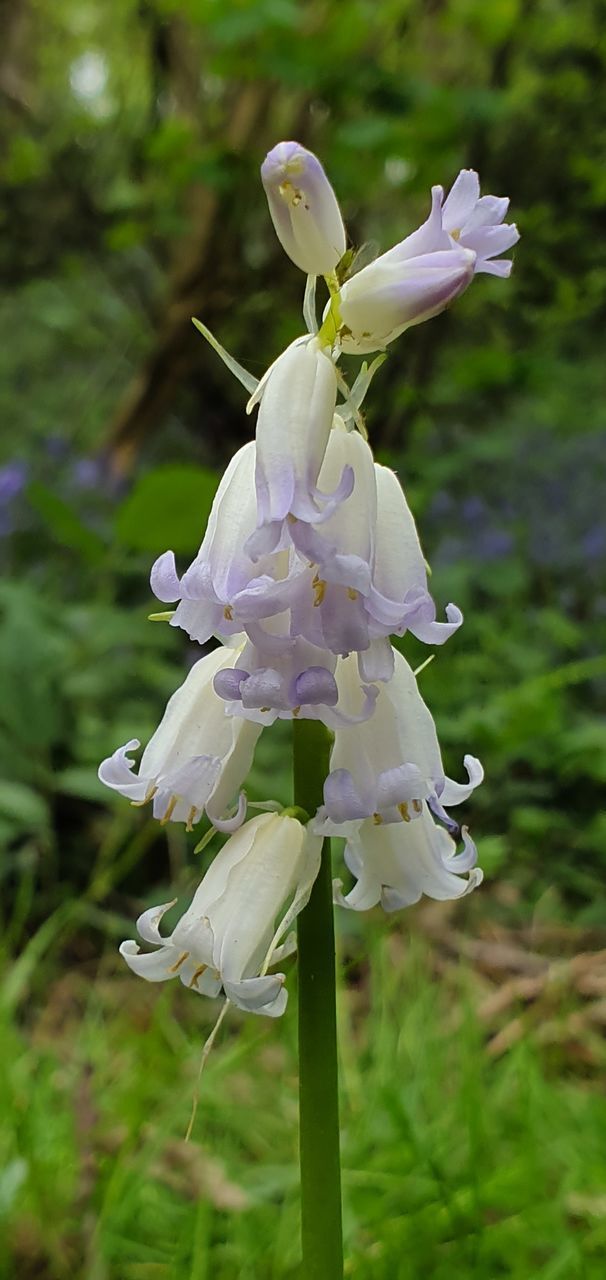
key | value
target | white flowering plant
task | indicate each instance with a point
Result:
(310, 564)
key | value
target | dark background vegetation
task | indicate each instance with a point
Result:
(131, 134)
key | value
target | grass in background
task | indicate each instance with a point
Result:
(456, 1162)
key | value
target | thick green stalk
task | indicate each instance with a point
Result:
(318, 1076)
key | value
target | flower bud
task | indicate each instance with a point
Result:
(303, 208)
(225, 938)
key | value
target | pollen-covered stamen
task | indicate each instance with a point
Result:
(403, 810)
(417, 806)
(319, 590)
(228, 613)
(191, 817)
(291, 194)
(174, 968)
(352, 593)
(377, 819)
(197, 974)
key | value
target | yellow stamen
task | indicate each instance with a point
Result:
(417, 806)
(149, 795)
(319, 588)
(291, 519)
(377, 819)
(170, 809)
(161, 617)
(228, 613)
(198, 974)
(174, 968)
(263, 710)
(353, 595)
(403, 809)
(189, 825)
(289, 193)
(296, 711)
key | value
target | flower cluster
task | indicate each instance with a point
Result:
(310, 563)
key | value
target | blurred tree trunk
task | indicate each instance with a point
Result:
(197, 262)
(14, 46)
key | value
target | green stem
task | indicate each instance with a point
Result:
(318, 1076)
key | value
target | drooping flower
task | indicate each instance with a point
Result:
(396, 864)
(223, 590)
(476, 223)
(228, 936)
(303, 208)
(391, 762)
(197, 759)
(399, 600)
(296, 398)
(367, 578)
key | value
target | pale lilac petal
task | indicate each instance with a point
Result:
(398, 786)
(315, 685)
(457, 792)
(489, 212)
(265, 688)
(502, 267)
(117, 772)
(342, 798)
(199, 619)
(377, 662)
(488, 242)
(228, 683)
(164, 579)
(425, 628)
(461, 200)
(428, 238)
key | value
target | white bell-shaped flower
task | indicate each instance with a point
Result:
(223, 590)
(399, 600)
(196, 760)
(328, 603)
(230, 934)
(396, 865)
(297, 399)
(303, 208)
(390, 763)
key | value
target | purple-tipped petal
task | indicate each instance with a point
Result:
(316, 686)
(228, 683)
(164, 579)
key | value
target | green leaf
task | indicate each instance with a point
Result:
(22, 806)
(168, 508)
(65, 524)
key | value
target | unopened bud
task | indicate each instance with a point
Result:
(303, 208)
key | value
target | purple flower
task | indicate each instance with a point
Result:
(13, 478)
